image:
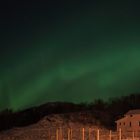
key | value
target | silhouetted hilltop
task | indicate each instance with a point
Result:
(103, 112)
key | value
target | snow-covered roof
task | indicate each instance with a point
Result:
(131, 112)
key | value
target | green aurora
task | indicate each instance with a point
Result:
(70, 52)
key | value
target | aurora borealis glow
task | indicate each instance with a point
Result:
(68, 51)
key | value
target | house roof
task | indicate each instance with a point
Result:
(131, 112)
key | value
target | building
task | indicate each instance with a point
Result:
(130, 122)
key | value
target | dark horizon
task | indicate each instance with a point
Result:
(99, 111)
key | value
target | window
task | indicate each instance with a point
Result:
(131, 115)
(130, 124)
(124, 123)
(120, 123)
(139, 123)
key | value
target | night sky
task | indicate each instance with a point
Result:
(73, 51)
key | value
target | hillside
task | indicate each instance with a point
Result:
(46, 118)
(47, 127)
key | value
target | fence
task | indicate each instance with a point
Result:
(90, 134)
(73, 133)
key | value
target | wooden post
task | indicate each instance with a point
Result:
(120, 134)
(68, 134)
(83, 133)
(110, 135)
(61, 135)
(71, 134)
(98, 134)
(89, 131)
(133, 135)
(57, 134)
